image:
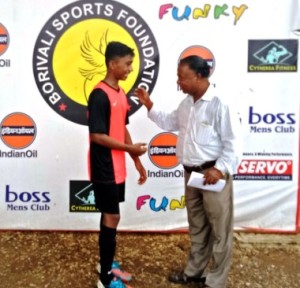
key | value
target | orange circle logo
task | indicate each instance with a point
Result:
(18, 130)
(4, 39)
(202, 52)
(162, 150)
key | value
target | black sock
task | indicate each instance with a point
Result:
(107, 248)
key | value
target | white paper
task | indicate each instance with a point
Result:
(196, 180)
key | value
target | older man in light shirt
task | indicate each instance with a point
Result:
(209, 141)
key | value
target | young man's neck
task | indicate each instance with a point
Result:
(112, 82)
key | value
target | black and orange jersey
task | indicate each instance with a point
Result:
(107, 114)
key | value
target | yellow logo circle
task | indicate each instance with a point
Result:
(78, 59)
(68, 56)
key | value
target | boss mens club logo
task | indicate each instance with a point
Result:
(68, 58)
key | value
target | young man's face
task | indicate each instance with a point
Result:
(121, 67)
(187, 79)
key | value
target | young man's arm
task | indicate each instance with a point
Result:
(137, 162)
(136, 149)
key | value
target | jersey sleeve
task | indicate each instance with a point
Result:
(98, 112)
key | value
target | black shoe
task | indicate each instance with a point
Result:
(181, 278)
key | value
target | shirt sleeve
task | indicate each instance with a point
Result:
(164, 120)
(99, 112)
(230, 130)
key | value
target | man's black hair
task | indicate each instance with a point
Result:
(197, 64)
(117, 49)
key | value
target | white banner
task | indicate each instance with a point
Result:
(51, 56)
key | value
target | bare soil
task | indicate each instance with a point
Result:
(68, 259)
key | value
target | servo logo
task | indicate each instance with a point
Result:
(274, 170)
(68, 57)
(202, 52)
(162, 150)
(272, 56)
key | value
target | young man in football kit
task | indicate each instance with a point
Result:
(109, 141)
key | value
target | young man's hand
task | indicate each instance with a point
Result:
(137, 149)
(143, 174)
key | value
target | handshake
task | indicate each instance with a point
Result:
(138, 149)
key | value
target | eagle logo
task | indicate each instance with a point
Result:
(95, 57)
(69, 61)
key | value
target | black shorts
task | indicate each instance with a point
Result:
(108, 196)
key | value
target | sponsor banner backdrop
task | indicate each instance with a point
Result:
(46, 77)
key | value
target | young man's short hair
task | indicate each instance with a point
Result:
(117, 49)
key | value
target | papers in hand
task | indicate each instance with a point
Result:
(196, 180)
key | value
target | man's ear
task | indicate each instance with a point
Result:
(111, 64)
(199, 76)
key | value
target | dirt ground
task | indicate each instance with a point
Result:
(68, 259)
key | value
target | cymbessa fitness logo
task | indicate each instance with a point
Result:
(82, 196)
(68, 58)
(273, 55)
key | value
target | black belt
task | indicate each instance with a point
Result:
(206, 165)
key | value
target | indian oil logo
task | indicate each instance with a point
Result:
(18, 130)
(4, 39)
(162, 150)
(68, 57)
